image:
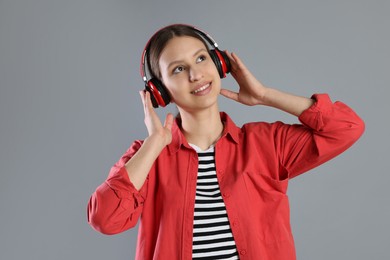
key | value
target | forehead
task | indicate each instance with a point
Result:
(179, 48)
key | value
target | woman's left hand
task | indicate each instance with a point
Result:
(251, 91)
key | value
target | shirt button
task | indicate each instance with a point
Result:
(235, 223)
(243, 252)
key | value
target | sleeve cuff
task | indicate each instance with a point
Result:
(124, 188)
(313, 116)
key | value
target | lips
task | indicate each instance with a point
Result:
(201, 88)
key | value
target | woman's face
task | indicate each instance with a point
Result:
(189, 73)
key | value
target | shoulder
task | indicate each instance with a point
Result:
(264, 128)
(259, 128)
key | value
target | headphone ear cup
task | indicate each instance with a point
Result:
(159, 94)
(217, 63)
(221, 61)
(226, 61)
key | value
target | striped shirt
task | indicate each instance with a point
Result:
(212, 238)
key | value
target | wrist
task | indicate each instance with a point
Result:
(155, 141)
(265, 96)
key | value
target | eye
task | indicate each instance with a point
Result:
(200, 58)
(178, 69)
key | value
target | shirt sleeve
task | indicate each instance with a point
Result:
(116, 204)
(327, 130)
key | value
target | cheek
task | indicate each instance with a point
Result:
(168, 83)
(217, 84)
(213, 69)
(173, 88)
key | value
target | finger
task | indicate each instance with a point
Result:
(148, 106)
(142, 95)
(149, 103)
(233, 62)
(229, 55)
(229, 94)
(238, 60)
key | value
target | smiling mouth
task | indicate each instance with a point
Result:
(201, 88)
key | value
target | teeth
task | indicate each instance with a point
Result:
(202, 88)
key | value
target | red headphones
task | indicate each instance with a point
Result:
(158, 92)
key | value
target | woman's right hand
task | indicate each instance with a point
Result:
(153, 123)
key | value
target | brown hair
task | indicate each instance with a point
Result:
(160, 39)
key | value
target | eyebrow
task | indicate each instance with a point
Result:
(180, 61)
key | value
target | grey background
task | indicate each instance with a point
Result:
(69, 107)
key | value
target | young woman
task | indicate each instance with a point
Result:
(201, 187)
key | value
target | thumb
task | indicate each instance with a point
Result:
(229, 94)
(168, 121)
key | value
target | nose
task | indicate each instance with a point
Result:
(195, 74)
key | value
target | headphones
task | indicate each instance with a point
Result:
(159, 95)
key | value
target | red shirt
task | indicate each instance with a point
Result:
(253, 165)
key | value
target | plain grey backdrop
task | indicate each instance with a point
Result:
(69, 107)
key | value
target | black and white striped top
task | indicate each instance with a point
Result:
(213, 238)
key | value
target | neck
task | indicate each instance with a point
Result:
(202, 128)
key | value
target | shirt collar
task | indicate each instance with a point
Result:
(230, 132)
